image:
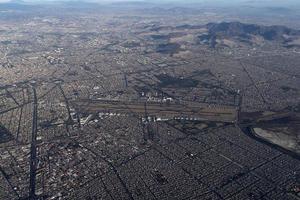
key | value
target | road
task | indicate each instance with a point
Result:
(33, 160)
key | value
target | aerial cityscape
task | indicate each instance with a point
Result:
(147, 100)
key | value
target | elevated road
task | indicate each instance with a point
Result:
(201, 112)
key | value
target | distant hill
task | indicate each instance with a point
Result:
(15, 5)
(233, 29)
(247, 32)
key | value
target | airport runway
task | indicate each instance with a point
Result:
(201, 112)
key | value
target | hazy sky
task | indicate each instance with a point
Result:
(257, 2)
(282, 1)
